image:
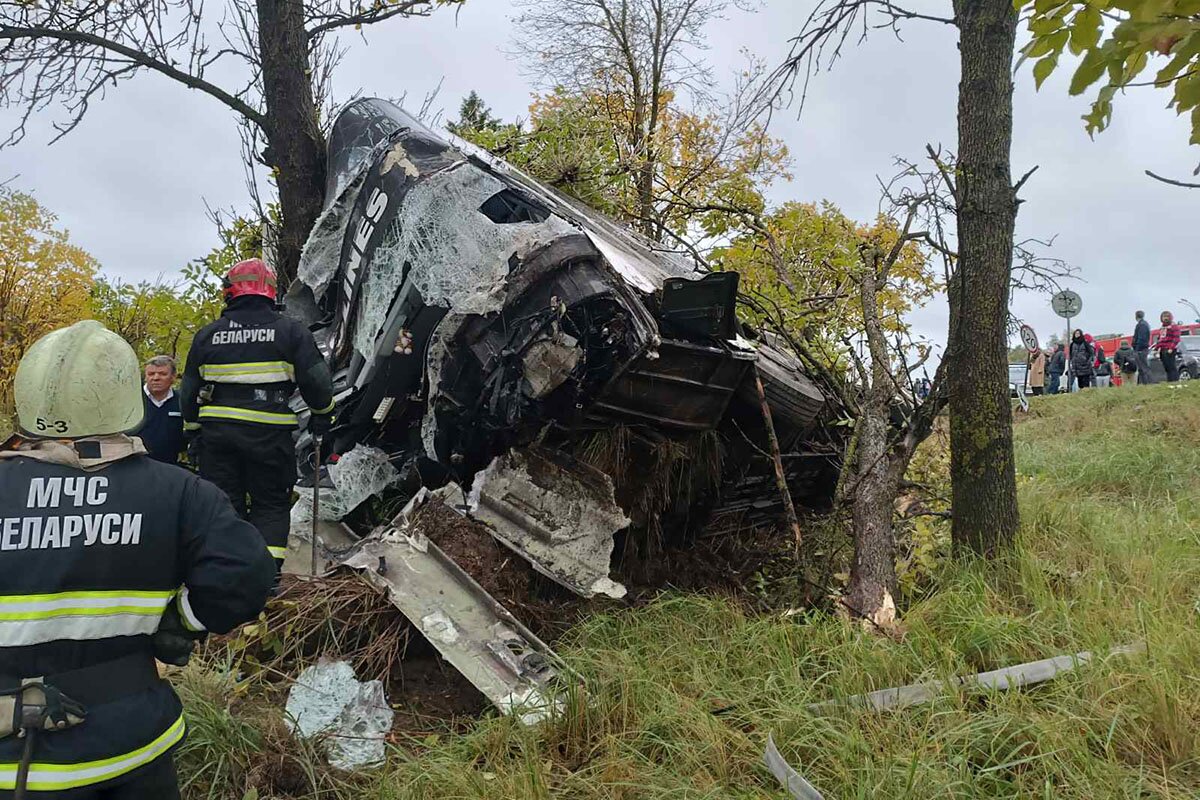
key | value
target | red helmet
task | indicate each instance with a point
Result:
(250, 277)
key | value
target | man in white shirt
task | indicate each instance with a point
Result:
(162, 431)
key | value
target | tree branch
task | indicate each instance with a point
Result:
(1024, 178)
(138, 57)
(904, 238)
(370, 17)
(825, 32)
(1173, 182)
(935, 156)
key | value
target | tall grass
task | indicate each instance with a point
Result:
(680, 695)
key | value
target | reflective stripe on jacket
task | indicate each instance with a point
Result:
(287, 418)
(40, 618)
(253, 372)
(255, 359)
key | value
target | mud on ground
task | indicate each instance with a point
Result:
(341, 617)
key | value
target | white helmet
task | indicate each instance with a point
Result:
(79, 381)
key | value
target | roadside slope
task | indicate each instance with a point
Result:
(681, 694)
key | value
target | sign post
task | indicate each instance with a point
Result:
(1067, 304)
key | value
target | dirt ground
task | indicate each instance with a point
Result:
(429, 695)
(502, 574)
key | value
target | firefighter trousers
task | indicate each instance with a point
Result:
(255, 465)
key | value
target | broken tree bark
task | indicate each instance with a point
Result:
(789, 508)
(872, 588)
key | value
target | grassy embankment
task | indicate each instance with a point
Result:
(681, 694)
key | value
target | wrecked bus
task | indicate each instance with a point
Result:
(485, 332)
(467, 310)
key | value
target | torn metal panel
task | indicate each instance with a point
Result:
(481, 402)
(549, 362)
(334, 541)
(478, 636)
(680, 386)
(626, 263)
(791, 780)
(455, 256)
(558, 514)
(361, 127)
(643, 263)
(435, 361)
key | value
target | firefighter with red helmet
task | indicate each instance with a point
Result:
(241, 372)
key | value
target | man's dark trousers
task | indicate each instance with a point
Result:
(1143, 367)
(255, 465)
(1170, 362)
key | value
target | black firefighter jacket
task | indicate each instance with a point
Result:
(254, 358)
(89, 561)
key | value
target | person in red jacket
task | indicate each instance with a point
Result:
(1168, 346)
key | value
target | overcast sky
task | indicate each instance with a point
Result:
(132, 181)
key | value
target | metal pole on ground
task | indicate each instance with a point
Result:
(316, 503)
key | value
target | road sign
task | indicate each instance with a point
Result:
(1029, 338)
(1067, 304)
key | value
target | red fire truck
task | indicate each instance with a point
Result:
(1110, 345)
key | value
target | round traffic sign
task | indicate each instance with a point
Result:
(1029, 339)
(1067, 304)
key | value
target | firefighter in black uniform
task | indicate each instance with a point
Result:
(241, 372)
(108, 558)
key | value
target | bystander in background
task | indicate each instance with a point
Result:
(1037, 372)
(162, 430)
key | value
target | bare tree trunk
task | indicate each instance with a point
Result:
(981, 436)
(645, 193)
(642, 138)
(872, 589)
(295, 145)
